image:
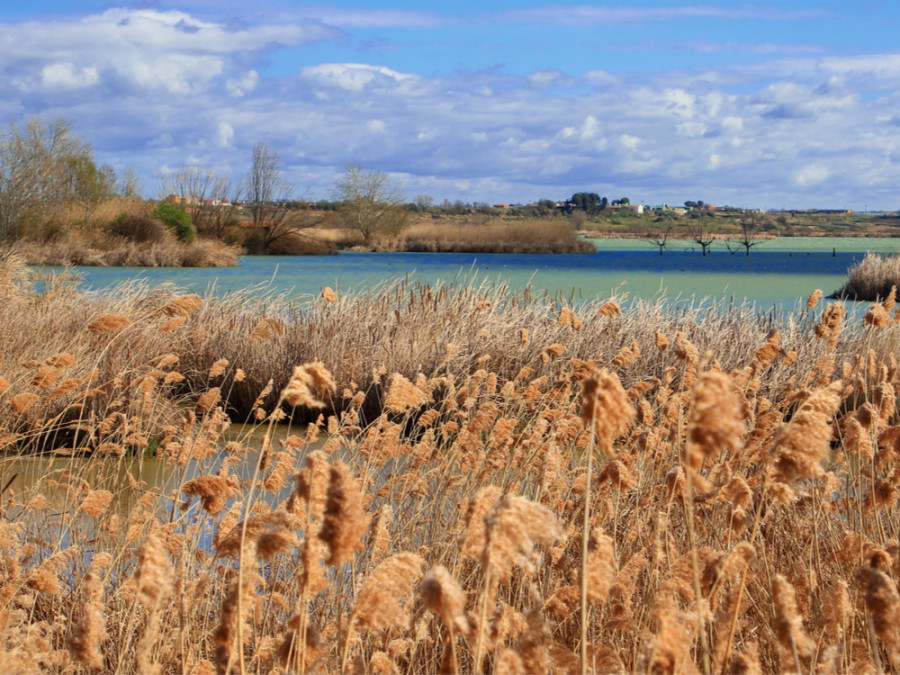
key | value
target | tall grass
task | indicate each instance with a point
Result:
(121, 253)
(525, 236)
(871, 278)
(491, 482)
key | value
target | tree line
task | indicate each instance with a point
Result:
(52, 185)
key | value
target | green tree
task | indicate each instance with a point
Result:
(177, 220)
(87, 184)
(589, 202)
(370, 203)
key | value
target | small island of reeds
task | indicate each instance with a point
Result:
(872, 278)
(444, 479)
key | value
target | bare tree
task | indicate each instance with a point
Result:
(700, 234)
(369, 202)
(38, 166)
(270, 200)
(750, 225)
(208, 197)
(660, 239)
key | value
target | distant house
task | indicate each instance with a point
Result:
(501, 206)
(637, 209)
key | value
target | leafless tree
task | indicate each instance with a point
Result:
(660, 239)
(208, 197)
(42, 166)
(750, 224)
(370, 203)
(700, 234)
(270, 200)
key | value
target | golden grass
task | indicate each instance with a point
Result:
(491, 236)
(871, 278)
(114, 252)
(468, 497)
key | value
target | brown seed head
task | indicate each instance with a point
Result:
(307, 382)
(346, 520)
(609, 308)
(605, 408)
(108, 323)
(402, 395)
(443, 595)
(96, 502)
(385, 596)
(717, 419)
(154, 572)
(514, 527)
(804, 442)
(877, 316)
(814, 298)
(183, 305)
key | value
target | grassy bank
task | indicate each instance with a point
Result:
(872, 278)
(501, 483)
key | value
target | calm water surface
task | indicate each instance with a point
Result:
(777, 272)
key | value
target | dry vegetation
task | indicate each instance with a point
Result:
(91, 244)
(491, 483)
(871, 278)
(495, 236)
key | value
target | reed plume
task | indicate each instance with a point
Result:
(803, 442)
(605, 408)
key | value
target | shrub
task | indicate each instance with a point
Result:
(177, 220)
(871, 279)
(137, 228)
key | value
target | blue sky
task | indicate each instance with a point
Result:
(761, 103)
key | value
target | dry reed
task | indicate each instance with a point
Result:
(710, 499)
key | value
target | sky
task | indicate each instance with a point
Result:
(760, 104)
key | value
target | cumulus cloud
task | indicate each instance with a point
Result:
(156, 89)
(138, 49)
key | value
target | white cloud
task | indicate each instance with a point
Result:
(153, 88)
(355, 76)
(67, 76)
(136, 49)
(224, 135)
(812, 175)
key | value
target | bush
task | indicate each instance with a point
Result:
(137, 228)
(871, 278)
(177, 220)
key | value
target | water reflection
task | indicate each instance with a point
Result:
(128, 478)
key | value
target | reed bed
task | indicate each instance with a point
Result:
(872, 278)
(116, 252)
(488, 482)
(528, 236)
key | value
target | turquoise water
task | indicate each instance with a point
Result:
(778, 272)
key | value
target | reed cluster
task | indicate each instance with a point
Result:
(452, 479)
(110, 252)
(491, 236)
(871, 278)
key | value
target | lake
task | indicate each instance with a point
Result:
(778, 272)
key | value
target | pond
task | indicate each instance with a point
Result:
(778, 272)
